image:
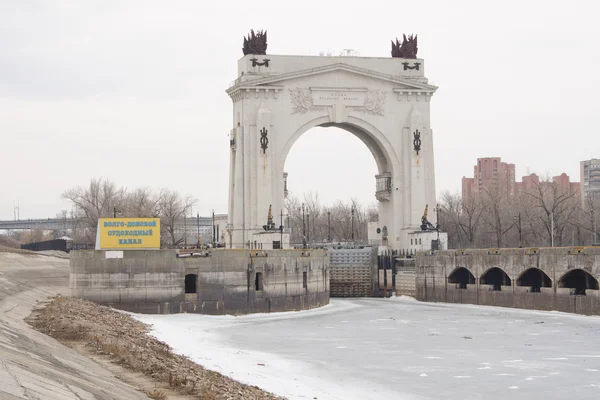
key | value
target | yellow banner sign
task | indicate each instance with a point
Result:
(129, 233)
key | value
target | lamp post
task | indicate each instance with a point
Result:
(198, 225)
(303, 228)
(352, 223)
(307, 226)
(437, 221)
(594, 222)
(551, 229)
(213, 229)
(515, 219)
(329, 226)
(184, 230)
(281, 230)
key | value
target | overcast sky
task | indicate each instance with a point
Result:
(134, 91)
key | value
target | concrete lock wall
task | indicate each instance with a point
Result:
(226, 281)
(434, 272)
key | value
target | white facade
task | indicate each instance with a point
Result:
(421, 240)
(383, 101)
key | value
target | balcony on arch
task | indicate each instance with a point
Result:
(383, 186)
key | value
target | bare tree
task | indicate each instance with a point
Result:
(98, 200)
(497, 215)
(172, 206)
(319, 221)
(557, 207)
(103, 198)
(142, 203)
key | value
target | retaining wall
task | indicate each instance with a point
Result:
(153, 282)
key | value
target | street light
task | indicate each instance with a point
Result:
(213, 229)
(552, 229)
(307, 226)
(329, 226)
(281, 231)
(198, 225)
(303, 228)
(515, 219)
(352, 226)
(594, 222)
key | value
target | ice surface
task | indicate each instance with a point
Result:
(397, 349)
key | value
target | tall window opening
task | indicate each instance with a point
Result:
(258, 281)
(304, 279)
(191, 283)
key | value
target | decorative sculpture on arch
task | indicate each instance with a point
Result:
(417, 141)
(408, 48)
(264, 140)
(255, 43)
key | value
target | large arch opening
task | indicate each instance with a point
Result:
(534, 278)
(578, 281)
(335, 210)
(496, 278)
(461, 277)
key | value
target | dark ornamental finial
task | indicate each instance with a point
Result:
(255, 43)
(408, 48)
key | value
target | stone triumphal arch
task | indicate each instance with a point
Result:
(383, 101)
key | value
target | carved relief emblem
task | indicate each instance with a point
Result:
(374, 102)
(302, 100)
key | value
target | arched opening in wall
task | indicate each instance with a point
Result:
(534, 278)
(461, 277)
(332, 171)
(191, 283)
(578, 281)
(496, 278)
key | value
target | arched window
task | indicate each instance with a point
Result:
(461, 277)
(496, 277)
(191, 282)
(535, 278)
(578, 280)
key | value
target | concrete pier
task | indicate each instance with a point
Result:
(209, 282)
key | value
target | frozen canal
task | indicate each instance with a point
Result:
(397, 349)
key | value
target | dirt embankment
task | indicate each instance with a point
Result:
(102, 331)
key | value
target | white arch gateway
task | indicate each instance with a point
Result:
(383, 101)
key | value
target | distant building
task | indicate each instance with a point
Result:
(492, 174)
(528, 183)
(590, 179)
(489, 174)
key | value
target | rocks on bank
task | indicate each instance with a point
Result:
(104, 331)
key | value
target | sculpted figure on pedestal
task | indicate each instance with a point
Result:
(255, 43)
(408, 48)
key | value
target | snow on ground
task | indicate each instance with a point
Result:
(397, 349)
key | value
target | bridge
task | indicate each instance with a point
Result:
(54, 224)
(49, 224)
